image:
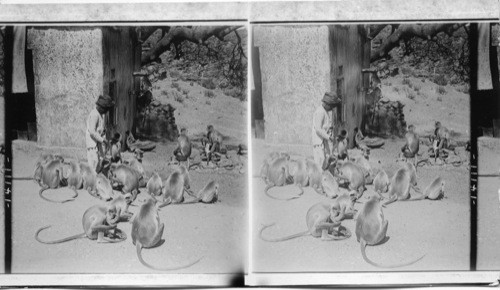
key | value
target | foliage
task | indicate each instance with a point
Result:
(442, 53)
(441, 90)
(224, 61)
(440, 80)
(208, 84)
(209, 94)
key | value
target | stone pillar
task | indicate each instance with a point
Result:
(295, 68)
(68, 71)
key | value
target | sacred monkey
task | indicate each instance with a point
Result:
(88, 178)
(401, 183)
(320, 223)
(314, 171)
(371, 229)
(116, 154)
(208, 194)
(344, 207)
(279, 175)
(103, 187)
(183, 150)
(329, 184)
(97, 222)
(214, 142)
(411, 147)
(341, 148)
(147, 232)
(125, 177)
(359, 140)
(365, 166)
(53, 177)
(353, 174)
(381, 182)
(435, 190)
(75, 179)
(40, 164)
(154, 185)
(298, 171)
(122, 203)
(267, 161)
(175, 185)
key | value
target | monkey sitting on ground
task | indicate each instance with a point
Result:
(298, 171)
(147, 232)
(279, 175)
(344, 207)
(353, 174)
(411, 147)
(320, 223)
(329, 185)
(401, 183)
(435, 190)
(315, 173)
(208, 194)
(116, 148)
(381, 183)
(371, 229)
(53, 176)
(126, 178)
(341, 147)
(154, 185)
(212, 143)
(183, 150)
(175, 185)
(40, 164)
(122, 203)
(97, 221)
(264, 170)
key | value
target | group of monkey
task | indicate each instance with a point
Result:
(127, 176)
(324, 219)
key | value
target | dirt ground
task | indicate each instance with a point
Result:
(488, 205)
(216, 232)
(440, 229)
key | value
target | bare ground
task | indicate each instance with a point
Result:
(440, 229)
(216, 232)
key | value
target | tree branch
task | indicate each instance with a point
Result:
(195, 34)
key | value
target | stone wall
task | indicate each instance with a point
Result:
(295, 68)
(68, 73)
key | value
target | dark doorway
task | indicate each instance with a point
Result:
(21, 106)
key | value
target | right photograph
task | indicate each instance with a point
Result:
(361, 147)
(485, 96)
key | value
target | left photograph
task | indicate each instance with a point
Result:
(129, 148)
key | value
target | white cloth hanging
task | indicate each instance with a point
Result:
(484, 81)
(19, 82)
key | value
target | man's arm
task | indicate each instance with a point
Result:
(318, 120)
(92, 128)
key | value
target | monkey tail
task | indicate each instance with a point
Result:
(363, 252)
(82, 235)
(304, 233)
(139, 255)
(51, 200)
(269, 186)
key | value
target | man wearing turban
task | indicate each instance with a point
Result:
(322, 139)
(95, 136)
